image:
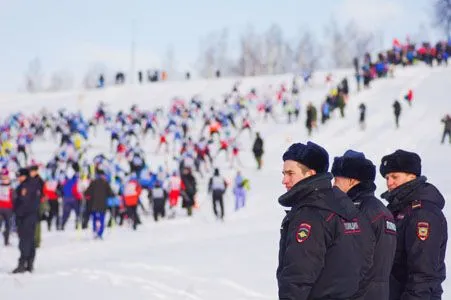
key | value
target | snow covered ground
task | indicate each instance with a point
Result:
(201, 258)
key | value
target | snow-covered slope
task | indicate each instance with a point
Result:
(200, 258)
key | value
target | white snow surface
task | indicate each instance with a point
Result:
(199, 257)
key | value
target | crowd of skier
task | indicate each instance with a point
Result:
(121, 182)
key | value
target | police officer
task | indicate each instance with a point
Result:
(325, 247)
(419, 267)
(26, 206)
(354, 175)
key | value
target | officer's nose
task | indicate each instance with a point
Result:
(284, 180)
(390, 183)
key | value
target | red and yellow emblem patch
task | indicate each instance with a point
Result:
(303, 232)
(423, 230)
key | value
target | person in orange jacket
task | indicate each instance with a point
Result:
(131, 193)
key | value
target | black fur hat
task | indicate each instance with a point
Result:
(401, 161)
(354, 165)
(23, 172)
(310, 155)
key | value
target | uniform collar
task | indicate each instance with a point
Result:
(360, 190)
(402, 195)
(304, 187)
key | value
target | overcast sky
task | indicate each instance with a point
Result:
(72, 35)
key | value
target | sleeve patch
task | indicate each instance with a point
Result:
(351, 227)
(390, 226)
(303, 232)
(423, 230)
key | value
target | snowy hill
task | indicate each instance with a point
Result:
(200, 258)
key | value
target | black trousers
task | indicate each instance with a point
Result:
(158, 208)
(5, 217)
(53, 214)
(218, 200)
(133, 215)
(26, 227)
(446, 133)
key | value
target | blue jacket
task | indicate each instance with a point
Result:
(68, 188)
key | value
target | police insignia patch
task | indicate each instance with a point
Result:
(303, 232)
(423, 230)
(23, 192)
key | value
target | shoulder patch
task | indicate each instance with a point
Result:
(303, 232)
(390, 226)
(416, 204)
(351, 227)
(423, 230)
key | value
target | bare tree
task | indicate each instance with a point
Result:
(307, 52)
(61, 80)
(222, 54)
(273, 51)
(169, 62)
(421, 35)
(442, 9)
(34, 76)
(341, 54)
(214, 53)
(360, 41)
(91, 78)
(287, 59)
(250, 61)
(207, 57)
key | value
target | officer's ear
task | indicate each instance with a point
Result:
(309, 172)
(353, 182)
(411, 176)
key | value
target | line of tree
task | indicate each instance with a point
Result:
(272, 53)
(442, 16)
(266, 53)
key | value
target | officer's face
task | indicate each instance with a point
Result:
(22, 178)
(396, 179)
(293, 173)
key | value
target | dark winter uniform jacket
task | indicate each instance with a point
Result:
(376, 285)
(325, 247)
(97, 193)
(39, 184)
(419, 265)
(26, 199)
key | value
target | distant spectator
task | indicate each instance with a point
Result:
(101, 82)
(120, 78)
